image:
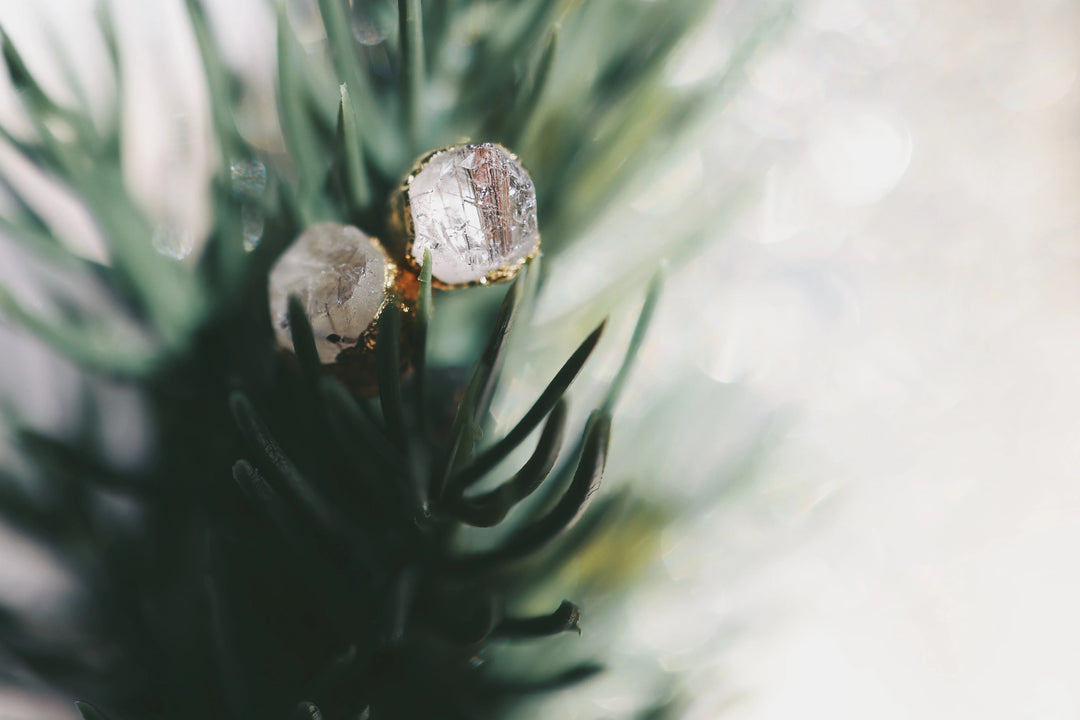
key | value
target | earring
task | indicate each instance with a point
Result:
(473, 207)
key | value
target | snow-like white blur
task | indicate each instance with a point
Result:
(902, 289)
(907, 284)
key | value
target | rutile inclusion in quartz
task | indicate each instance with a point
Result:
(341, 277)
(474, 208)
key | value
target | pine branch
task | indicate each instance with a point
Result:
(295, 548)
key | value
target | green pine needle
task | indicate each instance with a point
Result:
(300, 549)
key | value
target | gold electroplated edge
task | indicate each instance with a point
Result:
(401, 225)
(398, 289)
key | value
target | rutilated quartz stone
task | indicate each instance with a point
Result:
(342, 277)
(474, 208)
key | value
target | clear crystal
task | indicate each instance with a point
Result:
(474, 208)
(339, 274)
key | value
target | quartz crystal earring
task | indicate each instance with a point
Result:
(345, 281)
(473, 207)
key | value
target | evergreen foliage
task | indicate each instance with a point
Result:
(291, 548)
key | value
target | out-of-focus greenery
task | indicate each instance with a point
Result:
(290, 547)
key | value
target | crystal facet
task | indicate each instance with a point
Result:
(474, 208)
(341, 277)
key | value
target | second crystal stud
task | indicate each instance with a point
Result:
(345, 282)
(473, 207)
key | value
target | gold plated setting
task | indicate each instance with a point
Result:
(345, 280)
(470, 208)
(474, 208)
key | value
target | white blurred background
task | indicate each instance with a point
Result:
(902, 291)
(909, 283)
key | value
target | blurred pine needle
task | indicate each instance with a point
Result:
(291, 549)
